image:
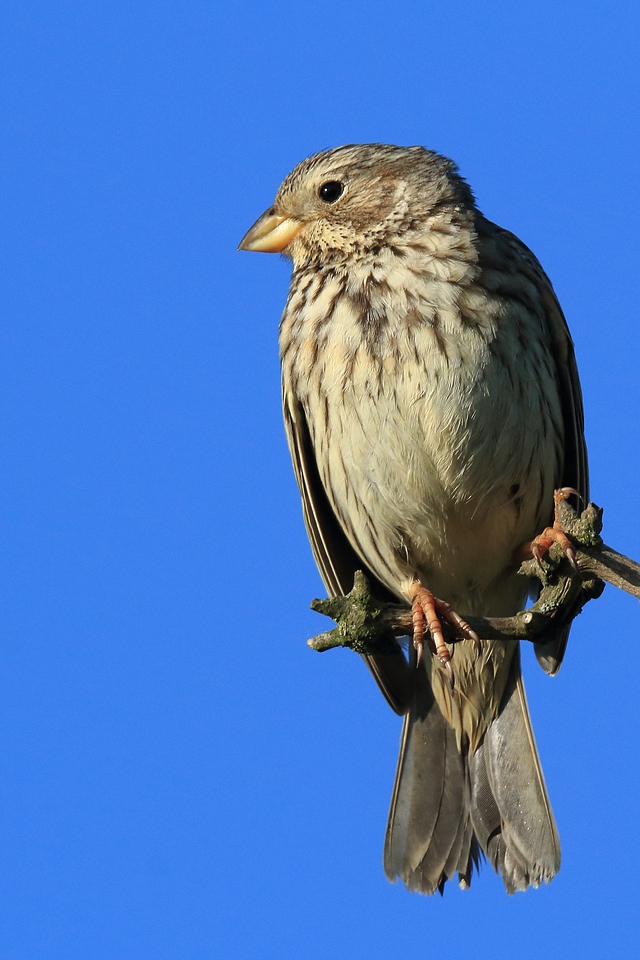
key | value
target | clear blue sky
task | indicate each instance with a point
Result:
(180, 777)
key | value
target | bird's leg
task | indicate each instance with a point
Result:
(427, 609)
(537, 547)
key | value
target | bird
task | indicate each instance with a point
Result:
(432, 406)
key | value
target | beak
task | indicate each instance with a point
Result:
(270, 233)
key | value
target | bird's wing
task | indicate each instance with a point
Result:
(575, 470)
(336, 558)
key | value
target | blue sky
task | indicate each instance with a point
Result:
(180, 777)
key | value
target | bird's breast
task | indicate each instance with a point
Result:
(434, 420)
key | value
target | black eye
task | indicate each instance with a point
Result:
(330, 191)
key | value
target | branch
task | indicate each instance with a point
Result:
(369, 626)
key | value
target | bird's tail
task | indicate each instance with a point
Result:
(447, 806)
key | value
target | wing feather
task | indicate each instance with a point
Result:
(500, 243)
(334, 555)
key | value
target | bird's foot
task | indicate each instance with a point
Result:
(426, 611)
(535, 549)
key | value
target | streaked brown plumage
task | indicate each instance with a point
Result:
(432, 405)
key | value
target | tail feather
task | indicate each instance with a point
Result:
(484, 812)
(517, 783)
(427, 816)
(550, 653)
(459, 859)
(447, 806)
(450, 821)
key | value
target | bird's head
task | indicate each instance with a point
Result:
(355, 200)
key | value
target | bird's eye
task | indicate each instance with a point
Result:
(331, 191)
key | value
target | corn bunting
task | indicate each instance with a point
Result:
(432, 406)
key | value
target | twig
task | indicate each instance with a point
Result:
(368, 626)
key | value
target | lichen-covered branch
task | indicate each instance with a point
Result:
(607, 564)
(369, 626)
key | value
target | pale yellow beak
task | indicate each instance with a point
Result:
(270, 233)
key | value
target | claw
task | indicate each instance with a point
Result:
(555, 534)
(426, 610)
(570, 554)
(563, 493)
